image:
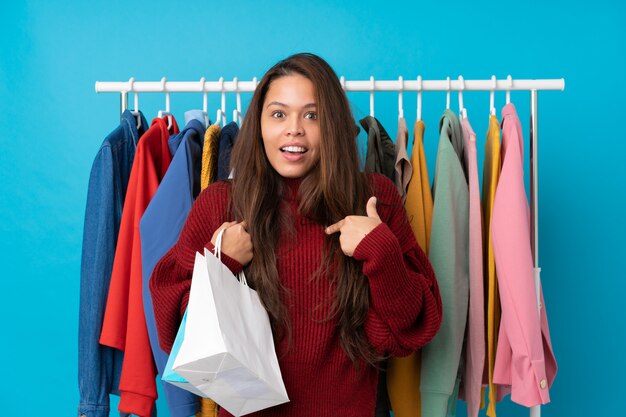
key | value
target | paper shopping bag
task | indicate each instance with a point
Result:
(227, 352)
(169, 375)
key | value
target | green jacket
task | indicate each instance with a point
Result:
(449, 256)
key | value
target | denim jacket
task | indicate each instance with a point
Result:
(99, 367)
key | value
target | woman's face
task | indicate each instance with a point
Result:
(290, 126)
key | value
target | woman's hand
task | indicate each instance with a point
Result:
(354, 228)
(236, 242)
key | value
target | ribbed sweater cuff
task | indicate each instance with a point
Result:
(383, 264)
(137, 404)
(234, 266)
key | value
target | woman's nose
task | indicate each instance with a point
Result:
(295, 127)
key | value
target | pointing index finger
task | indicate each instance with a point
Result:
(334, 228)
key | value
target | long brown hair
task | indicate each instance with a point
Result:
(332, 190)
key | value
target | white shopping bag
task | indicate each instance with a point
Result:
(228, 350)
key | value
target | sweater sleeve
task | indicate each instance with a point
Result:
(171, 279)
(405, 305)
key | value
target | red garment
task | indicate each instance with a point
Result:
(405, 307)
(124, 325)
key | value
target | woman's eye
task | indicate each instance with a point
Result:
(278, 114)
(311, 115)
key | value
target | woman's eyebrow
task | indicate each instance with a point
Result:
(278, 103)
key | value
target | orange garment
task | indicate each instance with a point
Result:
(403, 374)
(491, 173)
(208, 407)
(209, 155)
(124, 326)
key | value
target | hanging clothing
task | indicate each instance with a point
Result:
(471, 385)
(208, 408)
(228, 135)
(211, 152)
(403, 374)
(381, 152)
(99, 367)
(396, 269)
(491, 173)
(419, 201)
(209, 155)
(449, 257)
(404, 171)
(381, 158)
(124, 325)
(159, 228)
(525, 364)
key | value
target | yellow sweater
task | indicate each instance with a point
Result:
(403, 374)
(491, 173)
(209, 156)
(208, 408)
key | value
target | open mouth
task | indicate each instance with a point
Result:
(294, 149)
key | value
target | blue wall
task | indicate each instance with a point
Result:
(52, 123)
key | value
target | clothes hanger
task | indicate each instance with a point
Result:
(166, 112)
(448, 94)
(400, 109)
(237, 118)
(372, 96)
(492, 108)
(419, 98)
(135, 111)
(462, 110)
(509, 81)
(221, 112)
(205, 113)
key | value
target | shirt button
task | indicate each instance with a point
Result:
(543, 384)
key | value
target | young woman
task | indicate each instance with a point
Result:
(328, 248)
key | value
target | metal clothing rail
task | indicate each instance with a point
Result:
(400, 85)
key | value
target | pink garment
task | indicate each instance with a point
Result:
(525, 364)
(475, 334)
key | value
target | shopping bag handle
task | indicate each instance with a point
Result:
(217, 251)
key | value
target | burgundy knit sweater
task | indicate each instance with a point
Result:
(405, 306)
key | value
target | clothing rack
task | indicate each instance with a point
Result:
(400, 85)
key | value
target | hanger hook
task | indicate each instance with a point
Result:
(419, 97)
(509, 82)
(494, 84)
(131, 87)
(237, 111)
(223, 106)
(448, 93)
(462, 110)
(135, 111)
(461, 88)
(167, 104)
(372, 95)
(400, 109)
(221, 112)
(205, 102)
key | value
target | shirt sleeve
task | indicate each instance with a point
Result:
(171, 279)
(99, 366)
(405, 305)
